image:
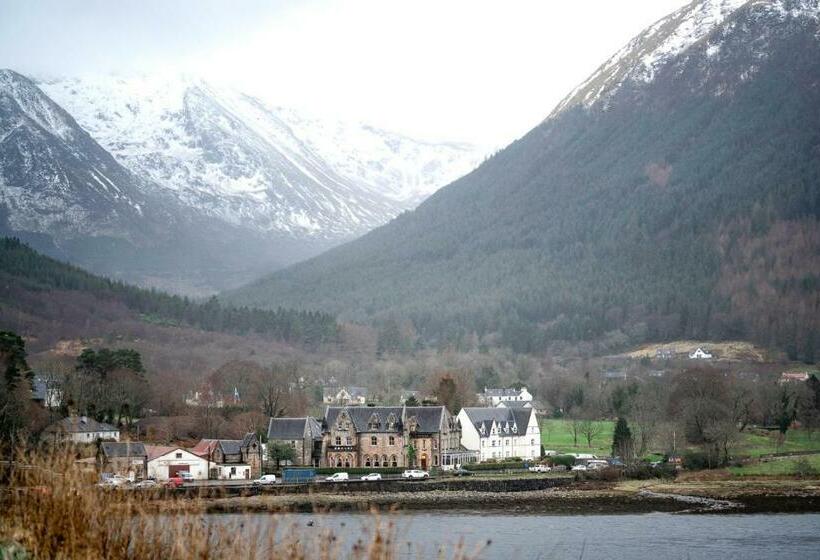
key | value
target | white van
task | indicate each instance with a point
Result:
(338, 477)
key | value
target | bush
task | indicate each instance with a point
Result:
(646, 472)
(566, 460)
(504, 465)
(699, 460)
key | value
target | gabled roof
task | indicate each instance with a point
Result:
(360, 416)
(429, 418)
(503, 417)
(113, 450)
(504, 392)
(294, 428)
(80, 424)
(354, 392)
(206, 447)
(154, 451)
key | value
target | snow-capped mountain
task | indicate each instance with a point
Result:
(250, 164)
(178, 184)
(681, 35)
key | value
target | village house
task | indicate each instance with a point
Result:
(206, 396)
(700, 354)
(125, 458)
(304, 435)
(500, 432)
(390, 436)
(230, 459)
(46, 392)
(491, 397)
(794, 376)
(164, 462)
(536, 406)
(81, 429)
(344, 395)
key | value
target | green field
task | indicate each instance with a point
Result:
(557, 435)
(777, 467)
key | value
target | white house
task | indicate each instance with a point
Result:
(344, 395)
(491, 397)
(501, 432)
(165, 462)
(700, 354)
(82, 429)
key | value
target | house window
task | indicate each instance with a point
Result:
(376, 461)
(233, 471)
(435, 460)
(435, 444)
(374, 440)
(532, 442)
(393, 461)
(178, 455)
(338, 462)
(483, 442)
(349, 440)
(392, 440)
(293, 443)
(338, 440)
(367, 460)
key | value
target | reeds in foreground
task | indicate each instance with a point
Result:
(51, 509)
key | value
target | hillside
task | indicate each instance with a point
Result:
(41, 296)
(673, 195)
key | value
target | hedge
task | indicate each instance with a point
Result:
(494, 466)
(360, 470)
(566, 460)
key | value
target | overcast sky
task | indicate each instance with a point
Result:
(484, 72)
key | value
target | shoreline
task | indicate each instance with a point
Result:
(580, 498)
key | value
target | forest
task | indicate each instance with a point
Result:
(23, 268)
(671, 213)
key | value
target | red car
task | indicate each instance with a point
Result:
(174, 482)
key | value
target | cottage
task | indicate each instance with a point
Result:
(231, 458)
(164, 462)
(500, 432)
(46, 392)
(491, 397)
(344, 395)
(700, 354)
(125, 458)
(81, 429)
(304, 435)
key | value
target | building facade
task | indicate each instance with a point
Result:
(501, 432)
(81, 429)
(125, 458)
(343, 396)
(165, 462)
(389, 436)
(231, 458)
(304, 435)
(491, 397)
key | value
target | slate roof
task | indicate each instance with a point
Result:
(229, 446)
(502, 416)
(505, 392)
(80, 424)
(113, 450)
(39, 389)
(428, 418)
(294, 428)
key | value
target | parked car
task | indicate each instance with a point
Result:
(597, 464)
(462, 472)
(415, 473)
(338, 477)
(114, 481)
(540, 468)
(186, 476)
(557, 468)
(174, 482)
(550, 453)
(579, 468)
(265, 480)
(372, 476)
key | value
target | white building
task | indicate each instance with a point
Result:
(82, 429)
(700, 354)
(165, 462)
(344, 395)
(491, 397)
(501, 432)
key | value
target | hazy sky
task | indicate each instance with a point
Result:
(469, 70)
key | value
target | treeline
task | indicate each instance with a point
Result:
(22, 265)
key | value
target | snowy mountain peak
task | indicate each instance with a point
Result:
(251, 164)
(640, 59)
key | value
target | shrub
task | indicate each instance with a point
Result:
(566, 460)
(498, 466)
(803, 468)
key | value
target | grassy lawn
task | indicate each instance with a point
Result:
(557, 435)
(784, 466)
(755, 444)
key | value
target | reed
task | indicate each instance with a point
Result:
(52, 509)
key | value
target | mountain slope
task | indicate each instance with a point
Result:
(240, 160)
(674, 194)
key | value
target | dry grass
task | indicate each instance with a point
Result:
(52, 510)
(726, 350)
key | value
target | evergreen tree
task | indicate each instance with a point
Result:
(622, 440)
